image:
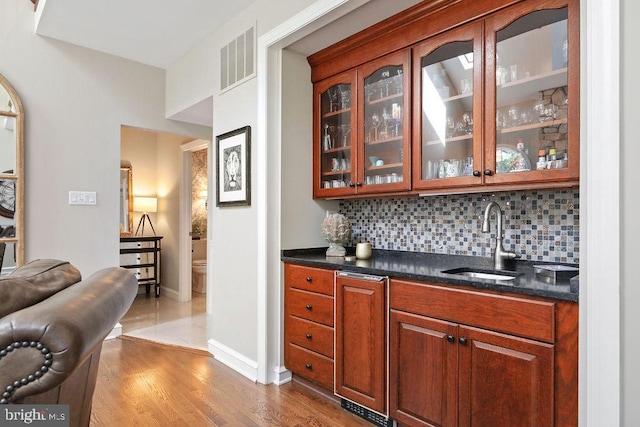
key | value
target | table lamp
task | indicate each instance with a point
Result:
(145, 205)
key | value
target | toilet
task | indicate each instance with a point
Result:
(199, 266)
(199, 276)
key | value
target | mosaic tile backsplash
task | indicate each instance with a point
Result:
(539, 225)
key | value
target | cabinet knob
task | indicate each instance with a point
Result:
(476, 173)
(358, 184)
(352, 184)
(309, 336)
(462, 341)
(308, 366)
(451, 338)
(309, 279)
(309, 307)
(487, 172)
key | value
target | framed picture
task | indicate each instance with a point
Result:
(233, 168)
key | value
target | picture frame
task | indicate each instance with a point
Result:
(233, 168)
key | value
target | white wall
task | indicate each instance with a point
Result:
(630, 153)
(233, 231)
(75, 101)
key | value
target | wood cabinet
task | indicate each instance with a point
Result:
(460, 357)
(495, 98)
(361, 131)
(492, 103)
(308, 331)
(361, 345)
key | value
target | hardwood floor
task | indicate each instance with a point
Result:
(141, 383)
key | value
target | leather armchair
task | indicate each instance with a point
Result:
(50, 348)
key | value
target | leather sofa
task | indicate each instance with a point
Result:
(52, 325)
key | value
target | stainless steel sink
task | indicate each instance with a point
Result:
(499, 275)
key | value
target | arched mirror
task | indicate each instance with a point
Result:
(11, 178)
(126, 199)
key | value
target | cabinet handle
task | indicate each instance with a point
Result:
(309, 279)
(487, 172)
(462, 341)
(309, 336)
(308, 366)
(351, 184)
(476, 173)
(451, 338)
(309, 307)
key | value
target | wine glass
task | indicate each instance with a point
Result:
(375, 124)
(345, 96)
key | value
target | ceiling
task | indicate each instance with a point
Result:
(160, 32)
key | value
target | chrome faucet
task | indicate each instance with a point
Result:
(499, 255)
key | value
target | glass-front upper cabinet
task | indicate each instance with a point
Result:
(384, 118)
(335, 136)
(532, 100)
(447, 114)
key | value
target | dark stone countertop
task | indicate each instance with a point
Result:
(428, 267)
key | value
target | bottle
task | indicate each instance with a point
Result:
(542, 159)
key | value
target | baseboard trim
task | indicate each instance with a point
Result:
(282, 375)
(236, 361)
(115, 332)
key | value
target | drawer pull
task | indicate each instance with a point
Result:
(309, 279)
(309, 336)
(308, 366)
(451, 338)
(309, 306)
(462, 341)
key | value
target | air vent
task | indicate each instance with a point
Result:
(237, 60)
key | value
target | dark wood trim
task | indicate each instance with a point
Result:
(409, 27)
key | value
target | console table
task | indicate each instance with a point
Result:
(143, 255)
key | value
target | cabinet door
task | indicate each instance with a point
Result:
(384, 144)
(423, 370)
(447, 110)
(532, 88)
(334, 136)
(504, 380)
(360, 362)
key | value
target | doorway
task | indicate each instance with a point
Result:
(194, 201)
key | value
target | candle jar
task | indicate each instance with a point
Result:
(363, 250)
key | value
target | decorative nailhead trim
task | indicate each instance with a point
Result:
(48, 360)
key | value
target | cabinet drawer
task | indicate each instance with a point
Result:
(518, 316)
(309, 305)
(309, 278)
(311, 365)
(310, 335)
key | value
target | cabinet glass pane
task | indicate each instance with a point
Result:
(383, 110)
(336, 142)
(531, 93)
(447, 111)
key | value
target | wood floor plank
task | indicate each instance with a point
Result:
(142, 383)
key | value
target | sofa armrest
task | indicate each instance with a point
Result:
(41, 345)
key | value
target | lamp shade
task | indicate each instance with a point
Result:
(145, 204)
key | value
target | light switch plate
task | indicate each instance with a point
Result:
(82, 198)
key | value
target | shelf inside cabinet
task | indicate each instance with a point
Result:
(452, 139)
(380, 142)
(336, 113)
(530, 126)
(386, 99)
(385, 167)
(340, 172)
(336, 150)
(521, 90)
